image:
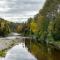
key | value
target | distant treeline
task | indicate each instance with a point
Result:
(7, 27)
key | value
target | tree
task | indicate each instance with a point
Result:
(33, 26)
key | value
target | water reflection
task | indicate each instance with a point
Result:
(32, 50)
(19, 52)
(37, 49)
(42, 51)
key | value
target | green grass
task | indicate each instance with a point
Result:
(2, 53)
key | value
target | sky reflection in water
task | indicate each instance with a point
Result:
(19, 52)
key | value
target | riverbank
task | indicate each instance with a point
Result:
(8, 42)
(55, 45)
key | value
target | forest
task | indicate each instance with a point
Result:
(45, 26)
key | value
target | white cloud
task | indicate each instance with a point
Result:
(19, 10)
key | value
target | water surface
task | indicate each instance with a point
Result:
(19, 52)
(27, 49)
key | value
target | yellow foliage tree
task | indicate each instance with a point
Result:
(33, 26)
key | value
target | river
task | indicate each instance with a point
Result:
(27, 49)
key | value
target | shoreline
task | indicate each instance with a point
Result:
(8, 42)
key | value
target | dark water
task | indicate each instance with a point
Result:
(32, 50)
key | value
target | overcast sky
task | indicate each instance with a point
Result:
(19, 10)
